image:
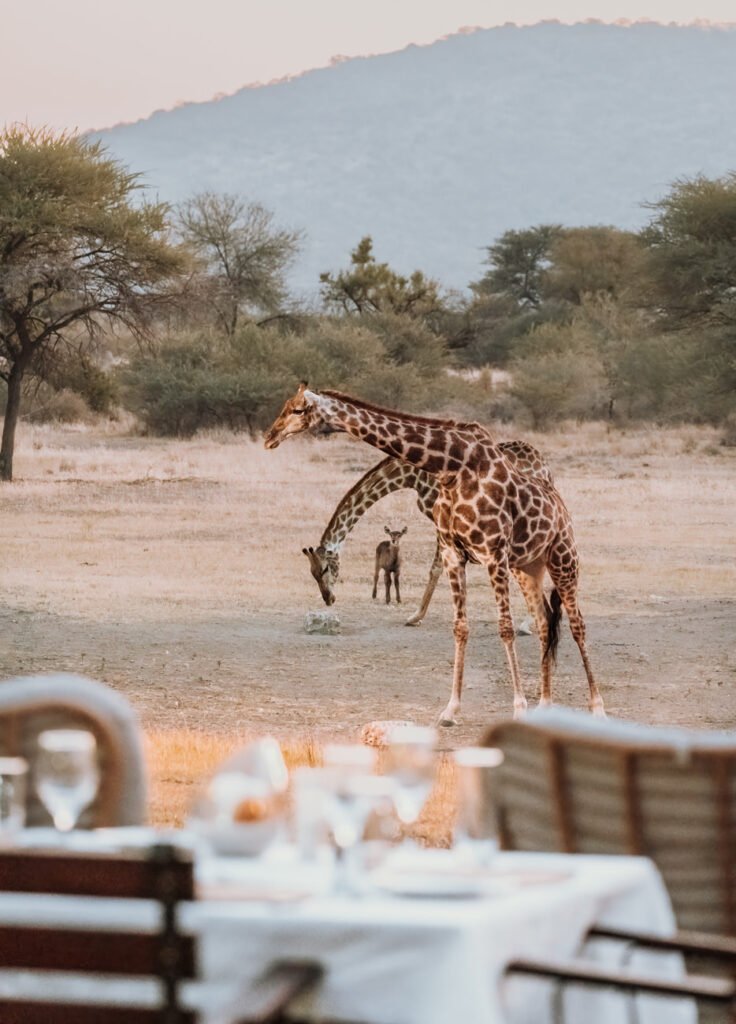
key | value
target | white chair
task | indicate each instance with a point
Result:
(30, 705)
(578, 784)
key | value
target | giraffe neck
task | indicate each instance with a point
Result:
(388, 476)
(435, 446)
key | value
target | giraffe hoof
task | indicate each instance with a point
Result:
(445, 720)
(599, 711)
(413, 621)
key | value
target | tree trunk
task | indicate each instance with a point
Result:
(12, 410)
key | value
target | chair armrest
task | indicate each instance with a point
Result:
(578, 972)
(273, 993)
(718, 947)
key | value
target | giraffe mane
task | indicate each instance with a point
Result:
(429, 421)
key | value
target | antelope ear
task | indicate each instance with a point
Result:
(404, 530)
(386, 530)
(305, 552)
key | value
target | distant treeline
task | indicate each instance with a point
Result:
(184, 316)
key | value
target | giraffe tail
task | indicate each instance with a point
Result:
(553, 608)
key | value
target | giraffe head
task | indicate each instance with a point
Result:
(299, 413)
(395, 535)
(325, 567)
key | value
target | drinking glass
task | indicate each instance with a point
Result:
(409, 760)
(308, 811)
(66, 774)
(262, 759)
(352, 798)
(13, 781)
(332, 804)
(474, 825)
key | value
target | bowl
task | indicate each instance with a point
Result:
(238, 815)
(237, 839)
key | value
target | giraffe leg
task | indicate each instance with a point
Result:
(434, 574)
(455, 567)
(499, 575)
(567, 589)
(530, 580)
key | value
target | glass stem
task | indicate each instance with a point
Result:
(342, 878)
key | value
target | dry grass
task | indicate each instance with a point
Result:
(179, 761)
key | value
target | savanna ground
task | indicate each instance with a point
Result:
(173, 571)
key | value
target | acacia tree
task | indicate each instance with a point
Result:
(372, 287)
(245, 255)
(518, 262)
(75, 251)
(692, 268)
(592, 262)
(692, 252)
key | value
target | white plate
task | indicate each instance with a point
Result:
(431, 884)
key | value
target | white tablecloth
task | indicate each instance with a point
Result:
(393, 959)
(399, 960)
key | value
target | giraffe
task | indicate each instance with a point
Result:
(388, 476)
(486, 512)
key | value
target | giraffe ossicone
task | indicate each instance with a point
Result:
(486, 512)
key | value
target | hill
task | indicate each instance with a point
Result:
(436, 150)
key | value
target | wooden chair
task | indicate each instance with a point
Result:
(28, 705)
(161, 873)
(570, 782)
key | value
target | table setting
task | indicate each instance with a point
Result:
(314, 863)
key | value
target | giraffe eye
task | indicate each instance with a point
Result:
(300, 412)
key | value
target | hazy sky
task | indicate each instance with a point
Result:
(91, 63)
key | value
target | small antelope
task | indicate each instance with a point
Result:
(388, 558)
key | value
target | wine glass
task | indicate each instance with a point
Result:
(475, 828)
(352, 796)
(409, 760)
(66, 774)
(13, 775)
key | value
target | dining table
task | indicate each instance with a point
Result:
(420, 937)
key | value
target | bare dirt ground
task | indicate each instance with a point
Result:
(173, 572)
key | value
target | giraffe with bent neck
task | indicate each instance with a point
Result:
(388, 476)
(486, 512)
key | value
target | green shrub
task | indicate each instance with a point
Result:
(558, 385)
(558, 373)
(201, 380)
(196, 382)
